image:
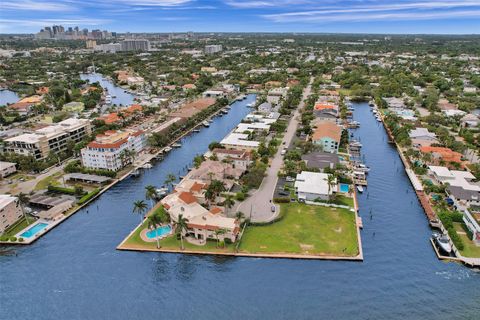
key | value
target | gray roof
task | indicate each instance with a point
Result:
(320, 160)
(86, 177)
(463, 194)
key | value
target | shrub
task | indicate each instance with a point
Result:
(13, 239)
(4, 238)
(56, 189)
(281, 200)
(88, 196)
(20, 239)
(240, 196)
(457, 241)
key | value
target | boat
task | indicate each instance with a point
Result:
(224, 111)
(361, 167)
(360, 189)
(161, 192)
(176, 145)
(443, 242)
(108, 99)
(167, 149)
(196, 130)
(355, 144)
(250, 104)
(206, 123)
(147, 166)
(379, 119)
(135, 173)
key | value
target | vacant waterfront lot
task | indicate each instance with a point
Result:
(305, 230)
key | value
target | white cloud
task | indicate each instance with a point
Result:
(34, 5)
(266, 3)
(398, 11)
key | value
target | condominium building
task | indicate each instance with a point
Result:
(108, 151)
(53, 138)
(10, 211)
(211, 49)
(135, 45)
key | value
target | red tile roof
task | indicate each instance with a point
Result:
(187, 197)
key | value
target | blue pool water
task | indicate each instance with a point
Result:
(344, 187)
(34, 230)
(161, 231)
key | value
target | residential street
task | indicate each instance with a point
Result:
(258, 207)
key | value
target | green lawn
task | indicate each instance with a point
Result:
(19, 226)
(305, 229)
(470, 250)
(44, 183)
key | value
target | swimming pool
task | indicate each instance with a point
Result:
(160, 232)
(344, 187)
(34, 230)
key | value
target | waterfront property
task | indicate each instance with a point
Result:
(327, 135)
(310, 186)
(10, 211)
(54, 138)
(305, 230)
(111, 150)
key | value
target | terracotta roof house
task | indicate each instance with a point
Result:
(328, 135)
(442, 154)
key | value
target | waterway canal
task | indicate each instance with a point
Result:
(8, 96)
(119, 96)
(75, 272)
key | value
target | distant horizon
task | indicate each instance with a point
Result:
(437, 17)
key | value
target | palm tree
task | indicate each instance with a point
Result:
(331, 179)
(21, 202)
(239, 215)
(169, 180)
(181, 227)
(229, 201)
(155, 221)
(219, 232)
(139, 207)
(151, 194)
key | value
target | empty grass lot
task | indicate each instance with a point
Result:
(305, 230)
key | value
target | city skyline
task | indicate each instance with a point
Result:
(331, 16)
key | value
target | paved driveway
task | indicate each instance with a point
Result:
(259, 205)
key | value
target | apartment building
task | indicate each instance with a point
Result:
(108, 151)
(9, 211)
(53, 138)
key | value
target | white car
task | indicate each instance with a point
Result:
(289, 179)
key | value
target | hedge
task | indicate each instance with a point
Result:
(56, 189)
(88, 196)
(281, 200)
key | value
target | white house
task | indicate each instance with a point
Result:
(313, 185)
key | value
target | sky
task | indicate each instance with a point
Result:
(317, 16)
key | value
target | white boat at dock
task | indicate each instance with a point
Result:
(360, 189)
(135, 173)
(196, 130)
(167, 149)
(161, 192)
(176, 145)
(250, 104)
(443, 242)
(147, 166)
(206, 123)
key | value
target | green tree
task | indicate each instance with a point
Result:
(139, 207)
(181, 227)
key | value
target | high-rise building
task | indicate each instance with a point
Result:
(135, 45)
(10, 211)
(214, 48)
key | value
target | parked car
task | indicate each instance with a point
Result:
(283, 193)
(273, 208)
(289, 179)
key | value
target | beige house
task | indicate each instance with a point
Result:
(10, 211)
(7, 168)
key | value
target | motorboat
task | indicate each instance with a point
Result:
(355, 144)
(167, 149)
(161, 192)
(196, 130)
(224, 111)
(135, 173)
(147, 166)
(250, 104)
(108, 99)
(443, 242)
(177, 145)
(359, 188)
(206, 123)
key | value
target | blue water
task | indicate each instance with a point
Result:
(344, 187)
(121, 97)
(159, 232)
(34, 230)
(7, 96)
(78, 274)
